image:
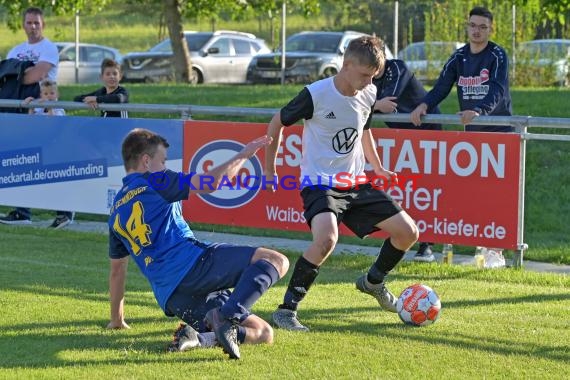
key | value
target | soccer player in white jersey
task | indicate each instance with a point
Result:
(337, 141)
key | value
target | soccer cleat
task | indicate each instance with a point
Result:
(185, 338)
(60, 221)
(14, 217)
(287, 320)
(225, 330)
(424, 253)
(379, 291)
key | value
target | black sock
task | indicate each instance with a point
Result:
(303, 277)
(388, 258)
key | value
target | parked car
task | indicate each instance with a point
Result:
(308, 56)
(545, 60)
(426, 59)
(217, 57)
(90, 58)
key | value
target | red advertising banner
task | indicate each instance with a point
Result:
(460, 187)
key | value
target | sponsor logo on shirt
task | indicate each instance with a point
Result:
(473, 87)
(343, 142)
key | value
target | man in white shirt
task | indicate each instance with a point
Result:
(44, 54)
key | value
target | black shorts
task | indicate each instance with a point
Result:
(360, 208)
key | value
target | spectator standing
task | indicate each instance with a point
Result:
(480, 70)
(399, 91)
(43, 53)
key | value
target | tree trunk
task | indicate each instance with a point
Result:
(182, 61)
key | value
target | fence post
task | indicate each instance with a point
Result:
(521, 127)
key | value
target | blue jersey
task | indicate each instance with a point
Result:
(482, 82)
(146, 222)
(397, 80)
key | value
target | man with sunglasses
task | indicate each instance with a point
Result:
(480, 71)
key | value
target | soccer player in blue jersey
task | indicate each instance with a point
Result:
(337, 139)
(480, 70)
(190, 279)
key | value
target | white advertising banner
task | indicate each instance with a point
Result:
(70, 163)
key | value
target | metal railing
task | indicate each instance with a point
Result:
(187, 110)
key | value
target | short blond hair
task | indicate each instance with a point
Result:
(367, 51)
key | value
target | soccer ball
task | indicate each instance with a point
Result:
(418, 305)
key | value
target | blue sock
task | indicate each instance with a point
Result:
(254, 281)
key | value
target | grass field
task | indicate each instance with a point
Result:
(494, 323)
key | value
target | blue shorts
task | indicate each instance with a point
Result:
(207, 284)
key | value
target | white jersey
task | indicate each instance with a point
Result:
(332, 133)
(44, 51)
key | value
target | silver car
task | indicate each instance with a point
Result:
(90, 58)
(426, 59)
(308, 56)
(217, 57)
(547, 60)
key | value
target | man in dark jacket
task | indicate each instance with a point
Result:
(398, 90)
(480, 70)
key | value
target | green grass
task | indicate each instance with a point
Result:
(494, 323)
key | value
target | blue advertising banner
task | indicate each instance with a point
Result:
(70, 163)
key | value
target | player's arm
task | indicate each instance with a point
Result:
(37, 73)
(117, 281)
(119, 258)
(371, 154)
(227, 170)
(300, 107)
(275, 131)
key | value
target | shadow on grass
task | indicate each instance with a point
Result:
(45, 345)
(336, 321)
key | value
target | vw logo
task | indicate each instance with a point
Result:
(343, 142)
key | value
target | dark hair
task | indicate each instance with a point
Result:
(108, 62)
(367, 50)
(33, 11)
(481, 11)
(140, 141)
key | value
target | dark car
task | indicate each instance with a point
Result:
(217, 57)
(90, 58)
(308, 56)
